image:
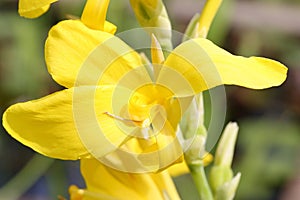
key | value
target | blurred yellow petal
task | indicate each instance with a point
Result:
(34, 8)
(207, 15)
(65, 124)
(198, 65)
(163, 180)
(178, 169)
(157, 54)
(109, 27)
(68, 46)
(103, 180)
(94, 14)
(76, 193)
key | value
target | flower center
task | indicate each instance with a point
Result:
(146, 108)
(146, 112)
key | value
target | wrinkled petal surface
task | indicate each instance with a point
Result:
(34, 8)
(198, 65)
(104, 180)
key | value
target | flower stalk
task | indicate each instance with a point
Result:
(200, 180)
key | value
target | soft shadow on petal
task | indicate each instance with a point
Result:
(101, 179)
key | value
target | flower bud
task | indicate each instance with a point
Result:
(221, 173)
(192, 28)
(228, 189)
(225, 150)
(153, 16)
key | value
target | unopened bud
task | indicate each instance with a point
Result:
(219, 175)
(153, 16)
(227, 190)
(225, 150)
(192, 28)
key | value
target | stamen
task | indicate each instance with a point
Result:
(121, 118)
(146, 123)
(146, 128)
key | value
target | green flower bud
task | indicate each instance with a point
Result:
(228, 189)
(225, 150)
(192, 29)
(219, 175)
(192, 119)
(153, 15)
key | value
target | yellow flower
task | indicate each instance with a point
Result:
(106, 183)
(111, 107)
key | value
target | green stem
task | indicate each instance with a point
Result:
(25, 178)
(198, 174)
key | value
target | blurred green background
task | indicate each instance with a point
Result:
(267, 153)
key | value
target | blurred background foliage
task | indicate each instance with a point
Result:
(267, 153)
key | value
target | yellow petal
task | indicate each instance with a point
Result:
(144, 155)
(207, 15)
(103, 180)
(178, 169)
(157, 54)
(76, 193)
(198, 65)
(67, 125)
(153, 145)
(160, 151)
(94, 14)
(109, 27)
(164, 181)
(34, 8)
(68, 47)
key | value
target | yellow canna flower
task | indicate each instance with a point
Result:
(111, 108)
(106, 183)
